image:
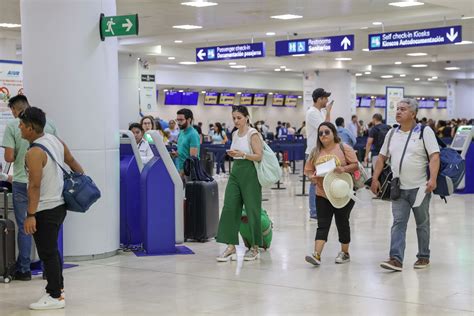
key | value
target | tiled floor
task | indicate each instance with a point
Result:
(281, 283)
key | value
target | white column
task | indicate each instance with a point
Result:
(129, 78)
(461, 99)
(7, 49)
(340, 83)
(73, 76)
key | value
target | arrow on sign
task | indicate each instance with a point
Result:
(347, 42)
(128, 25)
(201, 54)
(452, 36)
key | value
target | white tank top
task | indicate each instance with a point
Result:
(52, 183)
(241, 143)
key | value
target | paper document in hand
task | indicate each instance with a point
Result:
(420, 196)
(325, 168)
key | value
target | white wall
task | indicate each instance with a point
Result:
(464, 107)
(128, 89)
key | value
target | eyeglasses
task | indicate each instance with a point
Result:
(325, 132)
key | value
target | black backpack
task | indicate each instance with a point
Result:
(194, 170)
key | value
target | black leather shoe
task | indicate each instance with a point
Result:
(22, 276)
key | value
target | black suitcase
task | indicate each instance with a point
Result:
(201, 213)
(7, 242)
(208, 163)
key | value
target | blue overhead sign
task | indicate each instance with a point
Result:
(422, 37)
(238, 51)
(315, 45)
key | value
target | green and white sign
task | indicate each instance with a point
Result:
(122, 25)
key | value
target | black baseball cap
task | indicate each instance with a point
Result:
(320, 93)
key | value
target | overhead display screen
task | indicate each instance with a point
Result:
(173, 98)
(211, 98)
(278, 99)
(291, 101)
(227, 98)
(190, 98)
(260, 99)
(246, 98)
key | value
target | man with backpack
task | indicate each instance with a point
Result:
(376, 137)
(410, 152)
(46, 207)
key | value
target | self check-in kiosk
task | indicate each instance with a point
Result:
(463, 143)
(161, 197)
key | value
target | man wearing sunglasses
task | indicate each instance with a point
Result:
(15, 151)
(319, 112)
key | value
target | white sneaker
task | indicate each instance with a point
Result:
(251, 255)
(228, 255)
(48, 302)
(343, 257)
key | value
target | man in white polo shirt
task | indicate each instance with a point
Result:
(319, 112)
(406, 142)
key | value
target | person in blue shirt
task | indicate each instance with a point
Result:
(188, 140)
(347, 136)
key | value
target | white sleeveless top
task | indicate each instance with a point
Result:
(242, 143)
(52, 183)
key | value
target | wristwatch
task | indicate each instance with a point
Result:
(244, 156)
(30, 215)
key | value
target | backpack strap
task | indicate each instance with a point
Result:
(251, 132)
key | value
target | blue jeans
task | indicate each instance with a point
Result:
(312, 198)
(401, 213)
(20, 207)
(220, 161)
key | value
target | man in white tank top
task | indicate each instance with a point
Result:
(46, 208)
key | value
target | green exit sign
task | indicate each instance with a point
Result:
(121, 25)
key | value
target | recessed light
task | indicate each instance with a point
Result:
(9, 25)
(238, 66)
(342, 58)
(286, 16)
(419, 66)
(367, 72)
(187, 27)
(277, 69)
(358, 74)
(282, 67)
(239, 92)
(434, 77)
(165, 90)
(287, 69)
(203, 91)
(232, 63)
(188, 62)
(270, 34)
(386, 76)
(403, 75)
(181, 91)
(171, 58)
(365, 50)
(405, 4)
(467, 17)
(398, 63)
(199, 4)
(298, 55)
(178, 41)
(270, 93)
(452, 68)
(417, 79)
(300, 97)
(416, 54)
(364, 28)
(463, 43)
(377, 23)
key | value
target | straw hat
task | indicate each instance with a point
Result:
(338, 188)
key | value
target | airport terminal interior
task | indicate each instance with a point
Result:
(113, 77)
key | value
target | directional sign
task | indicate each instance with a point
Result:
(423, 37)
(315, 45)
(238, 51)
(118, 25)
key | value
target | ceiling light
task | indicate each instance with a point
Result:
(232, 63)
(358, 74)
(403, 75)
(165, 90)
(239, 92)
(286, 17)
(367, 72)
(386, 76)
(277, 69)
(416, 54)
(298, 55)
(364, 28)
(287, 69)
(238, 66)
(270, 93)
(365, 50)
(181, 91)
(9, 25)
(342, 58)
(203, 91)
(188, 62)
(187, 27)
(199, 4)
(270, 33)
(398, 63)
(419, 66)
(417, 79)
(377, 23)
(463, 43)
(452, 68)
(434, 77)
(405, 4)
(282, 67)
(300, 97)
(171, 58)
(467, 17)
(178, 41)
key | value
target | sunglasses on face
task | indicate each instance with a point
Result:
(326, 132)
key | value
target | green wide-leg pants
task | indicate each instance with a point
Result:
(242, 189)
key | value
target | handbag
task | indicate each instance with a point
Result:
(268, 169)
(79, 191)
(359, 177)
(395, 191)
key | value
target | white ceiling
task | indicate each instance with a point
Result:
(246, 20)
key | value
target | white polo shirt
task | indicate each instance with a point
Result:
(314, 118)
(415, 162)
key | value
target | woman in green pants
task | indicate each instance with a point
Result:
(242, 189)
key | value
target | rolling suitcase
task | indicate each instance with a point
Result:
(7, 242)
(201, 214)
